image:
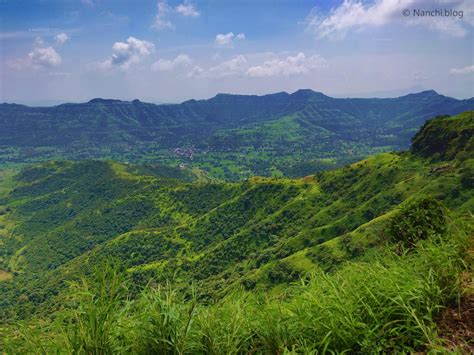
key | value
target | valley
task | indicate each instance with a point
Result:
(264, 249)
(230, 137)
(197, 177)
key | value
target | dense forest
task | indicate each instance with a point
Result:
(230, 137)
(100, 256)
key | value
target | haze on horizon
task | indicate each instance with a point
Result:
(175, 50)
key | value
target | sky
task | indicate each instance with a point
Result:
(163, 51)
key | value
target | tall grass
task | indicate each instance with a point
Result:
(387, 305)
(160, 322)
(92, 323)
(226, 328)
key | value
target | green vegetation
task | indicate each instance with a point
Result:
(357, 259)
(446, 137)
(230, 137)
(388, 304)
(418, 221)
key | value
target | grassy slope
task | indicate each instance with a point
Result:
(262, 233)
(258, 235)
(387, 303)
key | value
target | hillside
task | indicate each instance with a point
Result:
(60, 219)
(229, 136)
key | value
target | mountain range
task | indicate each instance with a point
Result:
(228, 136)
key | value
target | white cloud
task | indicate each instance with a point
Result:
(222, 39)
(263, 65)
(292, 65)
(195, 72)
(180, 61)
(187, 9)
(225, 39)
(161, 21)
(357, 15)
(61, 38)
(44, 57)
(39, 41)
(35, 33)
(460, 71)
(235, 66)
(127, 53)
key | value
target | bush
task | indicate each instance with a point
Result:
(417, 221)
(282, 272)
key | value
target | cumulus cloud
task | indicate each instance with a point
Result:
(127, 53)
(195, 72)
(180, 61)
(162, 20)
(61, 38)
(44, 57)
(235, 66)
(255, 66)
(460, 71)
(357, 15)
(224, 38)
(292, 65)
(227, 38)
(187, 9)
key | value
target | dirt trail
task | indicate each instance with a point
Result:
(456, 323)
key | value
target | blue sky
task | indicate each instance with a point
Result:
(174, 50)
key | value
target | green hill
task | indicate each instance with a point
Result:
(446, 138)
(63, 219)
(229, 136)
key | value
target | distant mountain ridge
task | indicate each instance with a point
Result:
(258, 134)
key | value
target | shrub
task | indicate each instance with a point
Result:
(417, 221)
(282, 272)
